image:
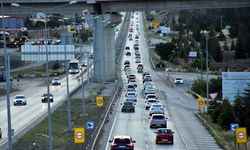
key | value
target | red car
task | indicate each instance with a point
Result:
(122, 142)
(164, 135)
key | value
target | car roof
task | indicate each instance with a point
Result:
(19, 96)
(122, 137)
(157, 115)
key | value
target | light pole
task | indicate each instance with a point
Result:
(50, 145)
(7, 74)
(207, 39)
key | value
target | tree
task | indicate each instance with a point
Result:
(239, 108)
(232, 46)
(241, 44)
(164, 50)
(227, 115)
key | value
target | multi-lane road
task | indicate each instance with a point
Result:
(179, 108)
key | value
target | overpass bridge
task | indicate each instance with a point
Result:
(104, 6)
(104, 18)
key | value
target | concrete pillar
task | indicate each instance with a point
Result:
(104, 46)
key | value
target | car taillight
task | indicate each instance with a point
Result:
(130, 145)
(113, 145)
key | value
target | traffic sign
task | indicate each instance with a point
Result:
(99, 101)
(79, 135)
(234, 126)
(90, 125)
(201, 102)
(241, 135)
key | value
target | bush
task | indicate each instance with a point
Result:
(56, 65)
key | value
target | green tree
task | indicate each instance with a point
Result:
(239, 108)
(232, 46)
(246, 98)
(227, 115)
(241, 44)
(164, 50)
(199, 87)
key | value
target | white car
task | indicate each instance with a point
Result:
(178, 80)
(150, 96)
(156, 109)
(149, 102)
(56, 81)
(20, 100)
(133, 82)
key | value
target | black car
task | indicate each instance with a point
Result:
(128, 107)
(45, 98)
(0, 133)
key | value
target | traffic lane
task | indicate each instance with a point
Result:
(22, 116)
(182, 108)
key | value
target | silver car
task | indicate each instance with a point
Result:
(158, 120)
(149, 102)
(156, 109)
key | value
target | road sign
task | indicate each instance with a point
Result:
(99, 101)
(241, 135)
(234, 126)
(90, 125)
(201, 102)
(79, 135)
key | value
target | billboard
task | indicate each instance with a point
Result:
(234, 83)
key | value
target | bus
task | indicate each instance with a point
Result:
(74, 66)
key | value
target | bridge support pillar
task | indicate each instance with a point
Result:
(104, 46)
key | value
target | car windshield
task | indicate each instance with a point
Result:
(178, 79)
(158, 117)
(19, 97)
(156, 106)
(151, 101)
(127, 103)
(122, 141)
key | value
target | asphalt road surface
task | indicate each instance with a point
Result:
(179, 109)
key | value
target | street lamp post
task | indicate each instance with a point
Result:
(50, 145)
(7, 74)
(207, 92)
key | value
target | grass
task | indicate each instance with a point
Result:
(60, 138)
(225, 139)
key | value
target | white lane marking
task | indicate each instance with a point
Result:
(112, 128)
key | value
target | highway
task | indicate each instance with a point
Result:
(179, 109)
(24, 116)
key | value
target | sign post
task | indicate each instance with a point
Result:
(201, 103)
(233, 127)
(79, 135)
(99, 101)
(241, 136)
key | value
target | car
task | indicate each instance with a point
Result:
(164, 135)
(138, 60)
(126, 62)
(133, 82)
(56, 81)
(139, 66)
(127, 53)
(144, 74)
(45, 98)
(140, 70)
(151, 95)
(84, 64)
(127, 48)
(126, 67)
(149, 91)
(156, 109)
(20, 100)
(158, 120)
(130, 93)
(0, 133)
(178, 80)
(136, 37)
(149, 102)
(128, 106)
(120, 142)
(131, 98)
